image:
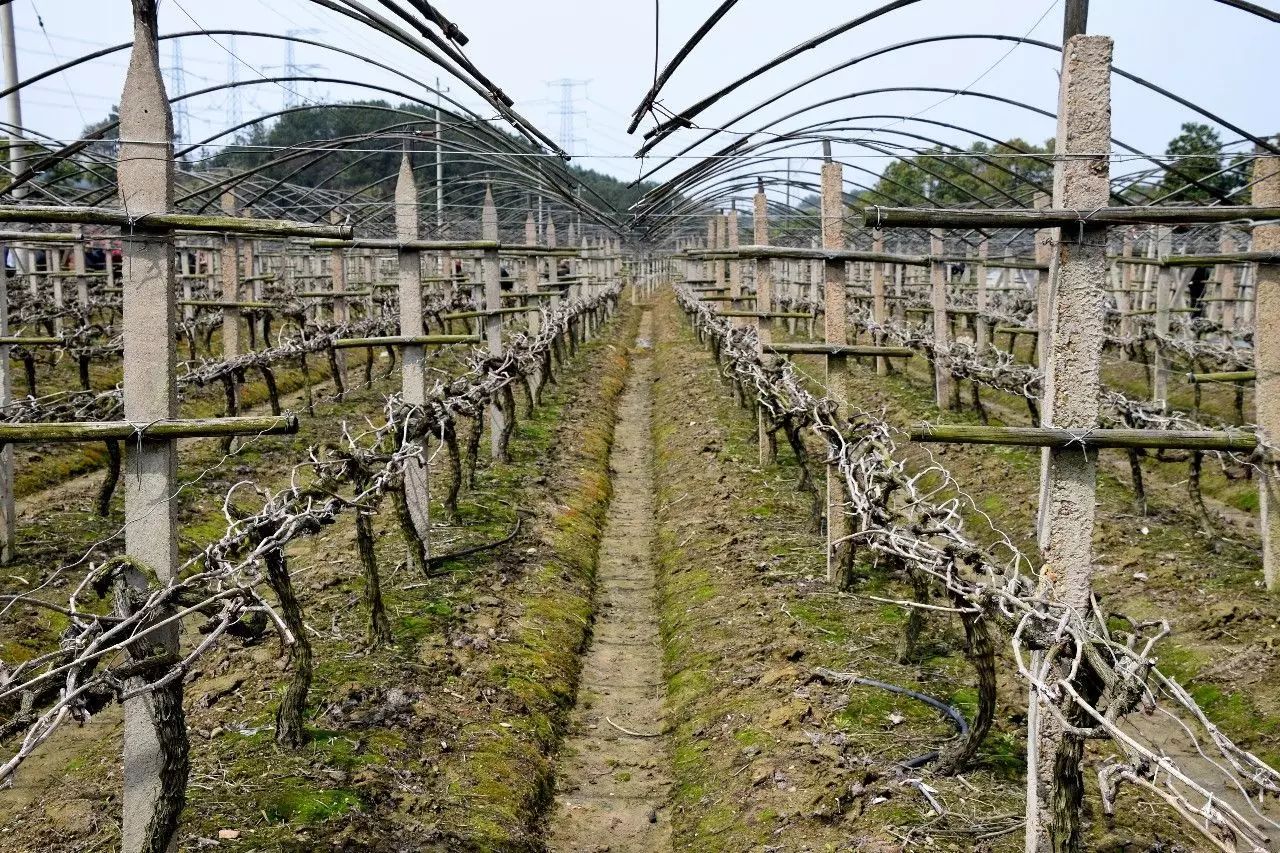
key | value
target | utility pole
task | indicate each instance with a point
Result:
(13, 103)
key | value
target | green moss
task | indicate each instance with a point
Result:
(294, 803)
(1246, 501)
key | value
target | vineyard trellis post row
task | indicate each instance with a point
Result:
(1266, 354)
(413, 356)
(155, 740)
(835, 331)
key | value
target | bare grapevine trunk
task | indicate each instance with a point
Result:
(290, 731)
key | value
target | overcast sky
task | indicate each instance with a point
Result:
(1204, 51)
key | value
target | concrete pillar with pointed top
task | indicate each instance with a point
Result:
(155, 757)
(491, 273)
(531, 275)
(553, 266)
(413, 358)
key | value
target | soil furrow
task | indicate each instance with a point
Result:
(613, 784)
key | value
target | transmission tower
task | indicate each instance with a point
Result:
(291, 67)
(568, 112)
(233, 77)
(178, 88)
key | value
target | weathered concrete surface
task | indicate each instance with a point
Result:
(1073, 360)
(413, 358)
(836, 331)
(149, 478)
(1266, 354)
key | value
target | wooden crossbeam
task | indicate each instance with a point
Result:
(1093, 438)
(405, 340)
(928, 217)
(488, 312)
(1227, 376)
(78, 431)
(837, 349)
(225, 303)
(19, 237)
(31, 341)
(796, 315)
(71, 214)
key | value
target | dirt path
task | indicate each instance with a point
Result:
(613, 787)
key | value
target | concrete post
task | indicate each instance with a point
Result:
(413, 358)
(942, 380)
(185, 272)
(1044, 283)
(492, 276)
(155, 767)
(1125, 301)
(553, 266)
(835, 332)
(531, 275)
(53, 260)
(878, 302)
(338, 275)
(229, 267)
(732, 243)
(78, 267)
(1072, 389)
(1266, 355)
(1227, 284)
(764, 302)
(981, 328)
(8, 516)
(1164, 301)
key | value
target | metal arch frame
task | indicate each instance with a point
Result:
(685, 117)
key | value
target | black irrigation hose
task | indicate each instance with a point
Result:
(438, 559)
(951, 712)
